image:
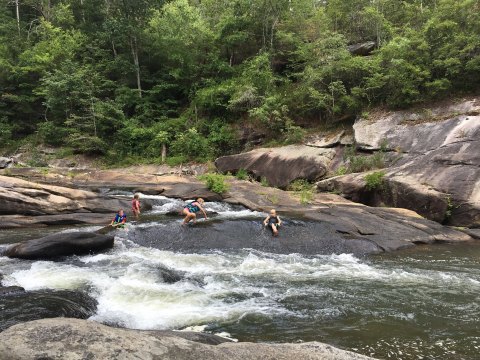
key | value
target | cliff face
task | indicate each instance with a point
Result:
(431, 160)
(437, 167)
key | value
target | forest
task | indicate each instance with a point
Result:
(124, 80)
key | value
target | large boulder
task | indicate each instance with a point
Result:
(79, 339)
(437, 167)
(280, 166)
(5, 162)
(362, 49)
(60, 244)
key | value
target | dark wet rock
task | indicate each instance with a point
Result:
(5, 162)
(362, 49)
(60, 244)
(11, 290)
(54, 338)
(280, 166)
(169, 276)
(20, 306)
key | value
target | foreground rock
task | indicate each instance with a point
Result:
(61, 244)
(78, 339)
(280, 166)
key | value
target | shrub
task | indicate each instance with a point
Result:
(89, 145)
(215, 182)
(374, 180)
(176, 160)
(360, 163)
(242, 174)
(264, 181)
(342, 170)
(293, 134)
(303, 189)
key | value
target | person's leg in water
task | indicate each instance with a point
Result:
(189, 216)
(274, 229)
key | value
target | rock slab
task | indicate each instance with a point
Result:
(73, 339)
(437, 168)
(60, 244)
(280, 166)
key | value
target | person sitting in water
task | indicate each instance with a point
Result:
(273, 222)
(191, 209)
(119, 220)
(136, 206)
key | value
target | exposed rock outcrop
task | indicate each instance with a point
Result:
(342, 226)
(20, 197)
(79, 339)
(362, 49)
(437, 173)
(280, 166)
(60, 244)
(5, 162)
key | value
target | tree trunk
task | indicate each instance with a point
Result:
(17, 10)
(134, 46)
(164, 152)
(83, 11)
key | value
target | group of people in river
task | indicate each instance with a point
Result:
(190, 211)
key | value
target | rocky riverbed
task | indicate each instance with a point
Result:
(352, 227)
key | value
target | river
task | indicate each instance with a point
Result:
(422, 303)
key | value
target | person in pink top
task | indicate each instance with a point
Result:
(136, 206)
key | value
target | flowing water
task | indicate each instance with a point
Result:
(417, 304)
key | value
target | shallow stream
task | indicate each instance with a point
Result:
(422, 303)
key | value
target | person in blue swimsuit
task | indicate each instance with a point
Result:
(120, 220)
(273, 222)
(190, 211)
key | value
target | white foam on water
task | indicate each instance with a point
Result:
(127, 282)
(203, 328)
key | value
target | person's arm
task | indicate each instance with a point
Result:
(124, 220)
(203, 211)
(279, 221)
(266, 220)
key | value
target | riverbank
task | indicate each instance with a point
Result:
(355, 228)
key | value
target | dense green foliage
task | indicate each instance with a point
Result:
(374, 180)
(215, 182)
(128, 78)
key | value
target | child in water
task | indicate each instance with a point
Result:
(190, 211)
(136, 206)
(119, 220)
(273, 221)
